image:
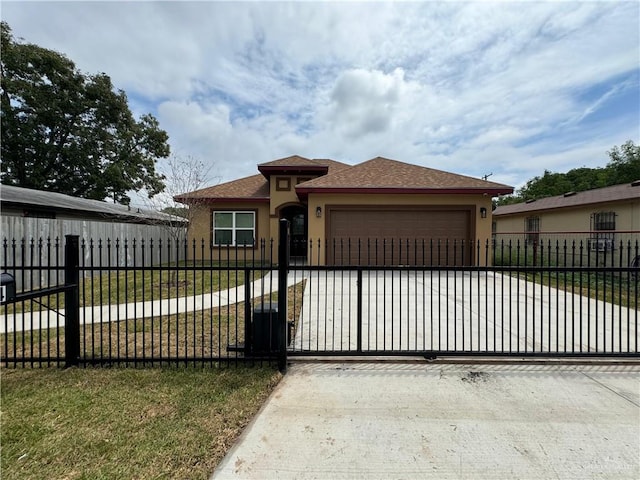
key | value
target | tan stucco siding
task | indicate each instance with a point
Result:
(480, 230)
(200, 229)
(282, 197)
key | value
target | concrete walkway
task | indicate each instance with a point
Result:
(439, 421)
(130, 311)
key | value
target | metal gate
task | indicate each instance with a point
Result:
(570, 301)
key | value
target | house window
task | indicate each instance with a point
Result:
(532, 229)
(234, 228)
(603, 224)
(604, 221)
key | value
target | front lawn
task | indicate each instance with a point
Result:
(125, 423)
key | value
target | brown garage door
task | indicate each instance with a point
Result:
(400, 237)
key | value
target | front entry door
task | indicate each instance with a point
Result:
(297, 217)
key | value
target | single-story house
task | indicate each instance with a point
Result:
(378, 211)
(599, 219)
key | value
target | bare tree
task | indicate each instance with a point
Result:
(183, 174)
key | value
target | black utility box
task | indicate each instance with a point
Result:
(7, 288)
(265, 333)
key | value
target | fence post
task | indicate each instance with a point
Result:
(283, 267)
(359, 310)
(72, 300)
(247, 312)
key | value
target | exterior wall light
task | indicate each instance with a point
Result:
(318, 212)
(483, 212)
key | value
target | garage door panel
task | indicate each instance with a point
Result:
(399, 237)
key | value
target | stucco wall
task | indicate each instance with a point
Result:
(201, 229)
(268, 216)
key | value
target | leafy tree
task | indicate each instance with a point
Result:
(624, 167)
(72, 133)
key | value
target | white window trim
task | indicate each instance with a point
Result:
(233, 228)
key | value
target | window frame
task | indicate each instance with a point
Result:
(532, 229)
(603, 225)
(604, 221)
(234, 229)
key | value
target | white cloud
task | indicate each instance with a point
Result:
(477, 87)
(364, 102)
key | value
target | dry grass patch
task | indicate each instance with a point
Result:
(204, 334)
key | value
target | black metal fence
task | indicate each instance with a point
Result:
(130, 302)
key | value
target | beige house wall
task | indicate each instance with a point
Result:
(481, 231)
(577, 219)
(201, 229)
(268, 215)
(572, 227)
(281, 197)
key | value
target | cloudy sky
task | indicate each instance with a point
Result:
(477, 88)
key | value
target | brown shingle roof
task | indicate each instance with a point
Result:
(333, 165)
(253, 188)
(291, 161)
(298, 164)
(625, 191)
(391, 175)
(373, 176)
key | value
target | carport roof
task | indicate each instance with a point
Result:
(20, 197)
(382, 175)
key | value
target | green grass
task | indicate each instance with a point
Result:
(619, 290)
(125, 423)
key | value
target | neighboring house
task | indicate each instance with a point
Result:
(37, 214)
(598, 220)
(348, 214)
(34, 224)
(28, 202)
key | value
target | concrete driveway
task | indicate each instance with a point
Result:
(411, 311)
(440, 421)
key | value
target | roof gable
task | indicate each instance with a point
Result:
(384, 174)
(297, 164)
(625, 191)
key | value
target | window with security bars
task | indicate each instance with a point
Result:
(532, 229)
(234, 228)
(603, 225)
